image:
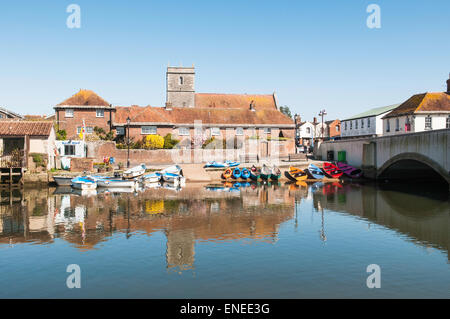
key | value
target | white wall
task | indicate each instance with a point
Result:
(362, 129)
(438, 121)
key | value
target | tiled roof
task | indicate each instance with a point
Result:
(373, 112)
(10, 113)
(85, 98)
(219, 116)
(21, 128)
(242, 101)
(425, 102)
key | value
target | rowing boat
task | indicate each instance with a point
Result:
(295, 174)
(350, 171)
(332, 170)
(315, 172)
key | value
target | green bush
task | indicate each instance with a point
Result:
(169, 142)
(61, 135)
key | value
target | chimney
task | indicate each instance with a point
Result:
(168, 106)
(252, 106)
(448, 84)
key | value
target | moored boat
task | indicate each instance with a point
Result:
(315, 172)
(134, 172)
(173, 178)
(275, 173)
(174, 169)
(245, 173)
(151, 178)
(295, 174)
(83, 183)
(63, 180)
(236, 173)
(350, 171)
(227, 173)
(116, 183)
(265, 172)
(332, 170)
(254, 173)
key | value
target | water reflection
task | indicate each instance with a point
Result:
(209, 213)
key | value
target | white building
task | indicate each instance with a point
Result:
(365, 124)
(307, 131)
(421, 112)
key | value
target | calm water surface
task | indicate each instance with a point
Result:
(272, 241)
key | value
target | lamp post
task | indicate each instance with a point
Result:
(128, 141)
(322, 113)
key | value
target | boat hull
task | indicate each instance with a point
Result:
(62, 181)
(116, 183)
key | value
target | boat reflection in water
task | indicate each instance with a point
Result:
(201, 223)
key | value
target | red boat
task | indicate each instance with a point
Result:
(332, 170)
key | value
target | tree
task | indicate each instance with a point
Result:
(286, 111)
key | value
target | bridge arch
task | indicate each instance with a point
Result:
(414, 157)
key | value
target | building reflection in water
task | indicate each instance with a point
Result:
(212, 213)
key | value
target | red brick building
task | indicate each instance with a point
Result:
(333, 129)
(84, 106)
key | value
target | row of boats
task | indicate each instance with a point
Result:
(130, 178)
(295, 174)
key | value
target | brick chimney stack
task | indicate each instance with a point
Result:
(448, 84)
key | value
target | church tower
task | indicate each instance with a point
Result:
(180, 86)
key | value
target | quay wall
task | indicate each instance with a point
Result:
(98, 150)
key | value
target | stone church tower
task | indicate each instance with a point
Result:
(180, 86)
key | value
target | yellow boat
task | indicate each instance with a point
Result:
(296, 174)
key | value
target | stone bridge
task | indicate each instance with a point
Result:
(405, 155)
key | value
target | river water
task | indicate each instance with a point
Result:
(213, 241)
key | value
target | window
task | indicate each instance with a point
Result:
(69, 112)
(1, 116)
(120, 130)
(351, 124)
(447, 123)
(368, 122)
(215, 131)
(428, 123)
(308, 130)
(69, 149)
(267, 130)
(89, 129)
(356, 124)
(100, 113)
(198, 131)
(337, 128)
(345, 126)
(239, 131)
(181, 80)
(151, 130)
(388, 125)
(362, 123)
(397, 124)
(183, 131)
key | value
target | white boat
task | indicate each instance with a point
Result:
(83, 183)
(63, 180)
(151, 178)
(174, 169)
(134, 172)
(116, 183)
(173, 178)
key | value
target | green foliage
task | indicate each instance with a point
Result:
(101, 133)
(37, 158)
(286, 111)
(61, 135)
(169, 142)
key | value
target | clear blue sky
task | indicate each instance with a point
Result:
(314, 54)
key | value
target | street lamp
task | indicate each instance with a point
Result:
(128, 141)
(322, 113)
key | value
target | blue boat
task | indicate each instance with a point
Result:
(232, 164)
(315, 172)
(245, 173)
(237, 173)
(215, 164)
